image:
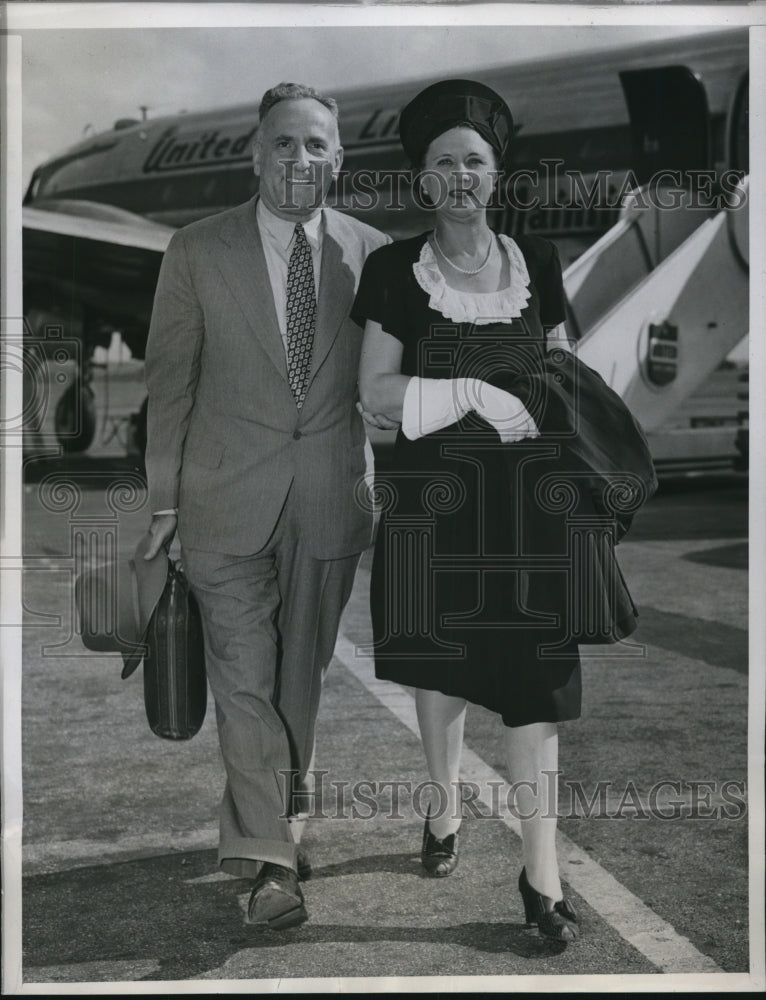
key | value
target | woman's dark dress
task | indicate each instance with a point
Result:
(469, 578)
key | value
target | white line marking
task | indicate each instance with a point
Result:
(207, 879)
(85, 972)
(51, 856)
(635, 922)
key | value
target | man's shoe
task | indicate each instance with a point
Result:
(276, 898)
(304, 865)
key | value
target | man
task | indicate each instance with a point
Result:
(255, 448)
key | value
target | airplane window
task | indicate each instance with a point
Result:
(166, 195)
(210, 191)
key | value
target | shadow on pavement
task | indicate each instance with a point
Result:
(713, 642)
(151, 909)
(729, 556)
(694, 508)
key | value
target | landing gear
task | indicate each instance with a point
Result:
(75, 417)
(742, 444)
(742, 439)
(137, 431)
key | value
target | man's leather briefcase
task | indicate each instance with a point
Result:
(175, 686)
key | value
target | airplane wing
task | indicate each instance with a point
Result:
(103, 258)
(95, 222)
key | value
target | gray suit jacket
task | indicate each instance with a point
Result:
(225, 439)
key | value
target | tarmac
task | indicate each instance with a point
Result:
(121, 891)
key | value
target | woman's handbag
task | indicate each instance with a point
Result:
(604, 460)
(175, 685)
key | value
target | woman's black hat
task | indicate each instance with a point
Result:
(450, 103)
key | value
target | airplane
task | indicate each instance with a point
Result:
(593, 133)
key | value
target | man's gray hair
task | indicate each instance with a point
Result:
(294, 92)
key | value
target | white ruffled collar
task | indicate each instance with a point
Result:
(474, 307)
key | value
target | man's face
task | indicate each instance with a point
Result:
(296, 154)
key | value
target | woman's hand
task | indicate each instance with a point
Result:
(505, 412)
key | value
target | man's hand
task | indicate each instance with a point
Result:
(162, 529)
(379, 420)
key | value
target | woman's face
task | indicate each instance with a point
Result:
(459, 172)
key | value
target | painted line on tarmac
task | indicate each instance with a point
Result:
(47, 856)
(116, 971)
(633, 920)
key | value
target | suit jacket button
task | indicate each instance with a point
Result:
(297, 435)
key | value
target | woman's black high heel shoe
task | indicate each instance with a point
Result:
(439, 857)
(554, 920)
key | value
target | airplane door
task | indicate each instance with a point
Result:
(669, 120)
(738, 129)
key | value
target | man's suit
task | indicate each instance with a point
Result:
(269, 518)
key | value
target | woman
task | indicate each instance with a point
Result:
(467, 591)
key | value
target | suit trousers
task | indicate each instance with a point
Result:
(270, 623)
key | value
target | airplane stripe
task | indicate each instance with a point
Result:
(635, 922)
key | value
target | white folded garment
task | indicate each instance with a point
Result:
(431, 404)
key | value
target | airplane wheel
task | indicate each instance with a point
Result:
(75, 418)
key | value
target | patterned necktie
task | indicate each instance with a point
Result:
(301, 315)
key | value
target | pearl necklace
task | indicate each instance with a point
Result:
(465, 270)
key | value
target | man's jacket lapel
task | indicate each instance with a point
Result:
(243, 268)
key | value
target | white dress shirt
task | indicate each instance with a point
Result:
(278, 238)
